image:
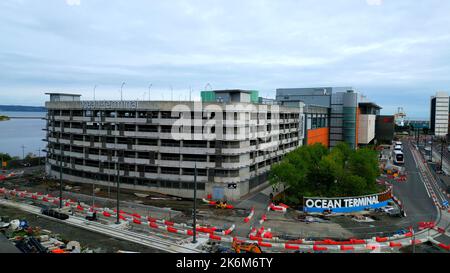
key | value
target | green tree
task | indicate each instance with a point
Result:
(5, 156)
(316, 171)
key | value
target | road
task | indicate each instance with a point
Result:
(418, 203)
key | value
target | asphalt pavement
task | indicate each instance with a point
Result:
(413, 194)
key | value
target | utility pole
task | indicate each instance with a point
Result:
(194, 241)
(60, 174)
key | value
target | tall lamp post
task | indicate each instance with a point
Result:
(149, 88)
(194, 215)
(121, 91)
(60, 174)
(95, 87)
(443, 142)
(39, 156)
(118, 191)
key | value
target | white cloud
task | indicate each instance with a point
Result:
(73, 2)
(374, 2)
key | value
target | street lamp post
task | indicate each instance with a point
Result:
(431, 153)
(39, 157)
(23, 152)
(121, 91)
(95, 87)
(149, 89)
(194, 224)
(60, 174)
(118, 191)
(443, 141)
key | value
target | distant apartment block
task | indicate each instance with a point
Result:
(439, 114)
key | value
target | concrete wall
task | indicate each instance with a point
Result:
(366, 129)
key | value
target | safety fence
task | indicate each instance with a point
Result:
(264, 238)
(133, 218)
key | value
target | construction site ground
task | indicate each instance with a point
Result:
(179, 210)
(97, 242)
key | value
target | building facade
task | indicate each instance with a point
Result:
(385, 129)
(317, 121)
(158, 145)
(440, 114)
(343, 105)
(368, 113)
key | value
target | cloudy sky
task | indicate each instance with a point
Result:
(396, 52)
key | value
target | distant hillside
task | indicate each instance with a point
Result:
(19, 108)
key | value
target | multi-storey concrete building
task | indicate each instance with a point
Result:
(157, 145)
(440, 114)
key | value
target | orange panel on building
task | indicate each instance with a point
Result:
(320, 135)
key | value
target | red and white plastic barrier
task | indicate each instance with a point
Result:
(426, 225)
(263, 219)
(278, 208)
(250, 216)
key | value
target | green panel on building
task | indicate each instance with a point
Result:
(208, 96)
(254, 96)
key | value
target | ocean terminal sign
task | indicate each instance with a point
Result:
(109, 104)
(347, 204)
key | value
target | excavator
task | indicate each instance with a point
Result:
(246, 248)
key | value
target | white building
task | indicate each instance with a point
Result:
(440, 113)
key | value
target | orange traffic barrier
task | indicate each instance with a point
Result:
(137, 221)
(381, 239)
(153, 225)
(106, 214)
(58, 251)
